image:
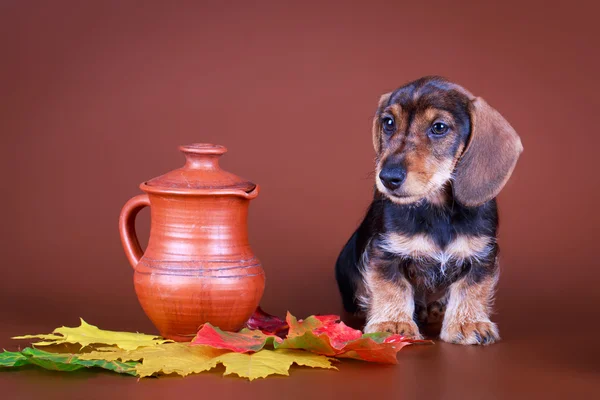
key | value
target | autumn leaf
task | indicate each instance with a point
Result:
(12, 359)
(267, 323)
(302, 337)
(338, 333)
(380, 347)
(87, 334)
(325, 335)
(300, 327)
(268, 362)
(184, 359)
(326, 319)
(61, 361)
(241, 342)
(167, 358)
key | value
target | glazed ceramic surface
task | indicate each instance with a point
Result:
(198, 266)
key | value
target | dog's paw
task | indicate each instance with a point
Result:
(482, 333)
(405, 328)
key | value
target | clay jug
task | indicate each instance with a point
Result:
(198, 266)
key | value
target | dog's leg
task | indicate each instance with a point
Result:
(467, 318)
(390, 303)
(347, 274)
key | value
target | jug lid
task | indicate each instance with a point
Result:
(201, 174)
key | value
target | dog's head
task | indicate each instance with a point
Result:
(432, 132)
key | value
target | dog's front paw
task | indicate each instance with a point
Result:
(405, 328)
(482, 333)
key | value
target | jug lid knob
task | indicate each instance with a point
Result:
(202, 155)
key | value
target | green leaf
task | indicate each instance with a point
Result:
(62, 361)
(12, 359)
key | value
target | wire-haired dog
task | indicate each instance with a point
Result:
(427, 249)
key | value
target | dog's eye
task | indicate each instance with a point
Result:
(388, 125)
(439, 128)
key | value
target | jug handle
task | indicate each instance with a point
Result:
(129, 239)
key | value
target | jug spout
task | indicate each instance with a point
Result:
(249, 195)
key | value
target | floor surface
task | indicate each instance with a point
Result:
(543, 360)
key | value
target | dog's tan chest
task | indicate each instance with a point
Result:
(421, 247)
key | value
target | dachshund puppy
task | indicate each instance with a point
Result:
(426, 248)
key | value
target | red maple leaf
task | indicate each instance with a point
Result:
(267, 323)
(243, 341)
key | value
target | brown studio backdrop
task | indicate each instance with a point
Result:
(96, 97)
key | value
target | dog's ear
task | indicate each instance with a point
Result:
(489, 157)
(383, 100)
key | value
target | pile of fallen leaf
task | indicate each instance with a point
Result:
(268, 345)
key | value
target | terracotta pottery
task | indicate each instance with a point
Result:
(198, 266)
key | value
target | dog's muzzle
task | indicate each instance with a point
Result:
(392, 176)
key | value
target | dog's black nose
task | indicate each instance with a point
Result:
(392, 177)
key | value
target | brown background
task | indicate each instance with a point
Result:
(96, 97)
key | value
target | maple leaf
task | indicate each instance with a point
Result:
(380, 347)
(301, 336)
(184, 359)
(12, 359)
(267, 362)
(300, 327)
(87, 334)
(168, 358)
(61, 361)
(267, 323)
(324, 335)
(241, 342)
(339, 334)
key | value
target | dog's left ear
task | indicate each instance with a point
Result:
(489, 158)
(383, 100)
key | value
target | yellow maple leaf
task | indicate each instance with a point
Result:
(184, 359)
(87, 334)
(268, 362)
(168, 358)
